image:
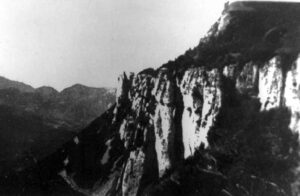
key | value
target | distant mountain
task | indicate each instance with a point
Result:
(6, 83)
(47, 91)
(72, 108)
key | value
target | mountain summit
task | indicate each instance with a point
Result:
(221, 119)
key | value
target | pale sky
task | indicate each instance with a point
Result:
(62, 42)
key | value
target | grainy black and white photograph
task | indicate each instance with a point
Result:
(149, 98)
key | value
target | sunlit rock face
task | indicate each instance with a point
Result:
(163, 120)
(292, 94)
(192, 92)
(292, 101)
(270, 84)
(202, 99)
(136, 132)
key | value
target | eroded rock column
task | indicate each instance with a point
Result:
(163, 120)
(202, 101)
(271, 84)
(136, 131)
(292, 95)
(246, 81)
(133, 173)
(123, 87)
(211, 103)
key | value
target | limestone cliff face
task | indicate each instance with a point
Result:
(222, 119)
(292, 95)
(202, 100)
(271, 84)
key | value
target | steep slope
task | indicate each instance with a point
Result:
(222, 119)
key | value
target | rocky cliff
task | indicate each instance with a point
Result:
(222, 119)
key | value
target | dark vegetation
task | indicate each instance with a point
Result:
(24, 139)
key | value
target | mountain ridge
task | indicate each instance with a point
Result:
(23, 87)
(48, 98)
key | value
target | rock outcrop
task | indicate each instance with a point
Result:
(292, 95)
(202, 100)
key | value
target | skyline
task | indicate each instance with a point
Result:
(63, 42)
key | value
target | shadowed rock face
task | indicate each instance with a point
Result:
(222, 119)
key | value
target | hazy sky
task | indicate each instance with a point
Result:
(63, 42)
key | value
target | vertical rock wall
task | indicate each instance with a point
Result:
(164, 120)
(135, 132)
(202, 99)
(292, 95)
(270, 84)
